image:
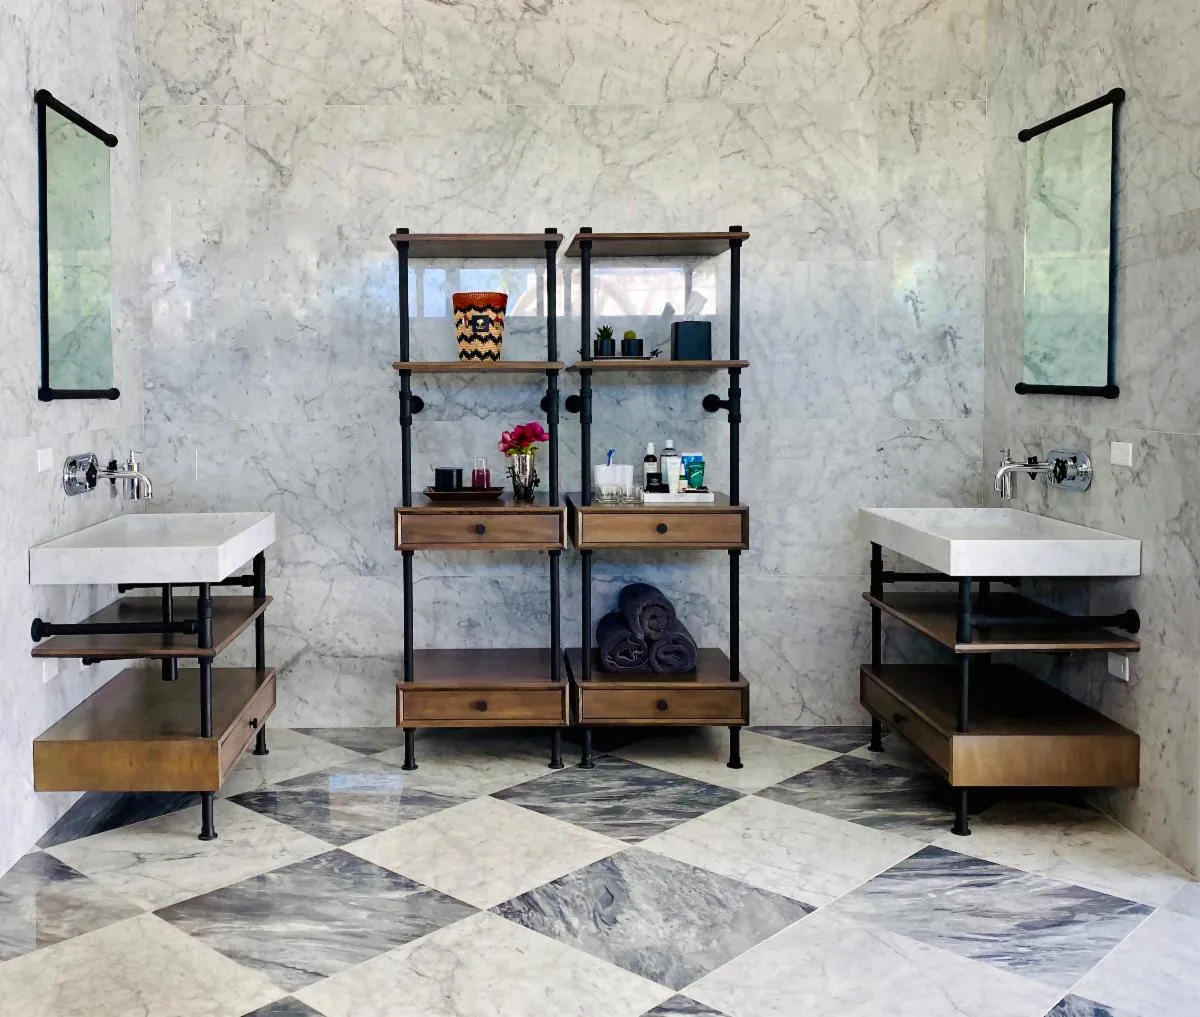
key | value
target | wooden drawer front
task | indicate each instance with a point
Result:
(897, 715)
(518, 531)
(665, 529)
(539, 706)
(235, 739)
(683, 704)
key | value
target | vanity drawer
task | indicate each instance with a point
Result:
(541, 706)
(666, 528)
(498, 529)
(901, 718)
(604, 703)
(237, 736)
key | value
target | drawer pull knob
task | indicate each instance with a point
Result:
(662, 706)
(480, 529)
(661, 527)
(481, 706)
(254, 722)
(899, 718)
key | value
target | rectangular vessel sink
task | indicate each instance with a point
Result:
(1000, 542)
(185, 547)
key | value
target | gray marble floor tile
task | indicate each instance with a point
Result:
(619, 798)
(367, 740)
(44, 901)
(99, 811)
(347, 802)
(1077, 1006)
(681, 1006)
(313, 919)
(287, 1007)
(1034, 926)
(1186, 901)
(661, 919)
(837, 739)
(872, 794)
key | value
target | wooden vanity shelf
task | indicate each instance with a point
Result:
(478, 367)
(139, 733)
(1023, 732)
(496, 526)
(655, 245)
(710, 526)
(231, 617)
(616, 364)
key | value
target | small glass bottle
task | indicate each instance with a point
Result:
(481, 476)
(669, 465)
(650, 471)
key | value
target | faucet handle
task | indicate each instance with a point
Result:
(1006, 455)
(134, 462)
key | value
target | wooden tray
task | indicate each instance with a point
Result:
(465, 495)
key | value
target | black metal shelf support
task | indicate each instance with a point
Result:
(204, 609)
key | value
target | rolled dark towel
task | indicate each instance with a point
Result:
(675, 652)
(647, 610)
(620, 649)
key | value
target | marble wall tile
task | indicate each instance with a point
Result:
(929, 463)
(933, 50)
(191, 54)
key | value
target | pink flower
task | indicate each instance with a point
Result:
(522, 438)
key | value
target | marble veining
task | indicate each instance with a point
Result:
(286, 1007)
(621, 799)
(97, 811)
(685, 1006)
(661, 919)
(1034, 926)
(838, 739)
(1077, 1006)
(368, 741)
(306, 921)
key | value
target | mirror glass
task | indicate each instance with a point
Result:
(78, 291)
(1068, 230)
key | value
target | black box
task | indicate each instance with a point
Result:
(691, 340)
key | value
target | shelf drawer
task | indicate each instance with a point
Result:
(663, 529)
(237, 736)
(601, 703)
(901, 718)
(536, 706)
(497, 530)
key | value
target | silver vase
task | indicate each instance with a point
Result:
(524, 476)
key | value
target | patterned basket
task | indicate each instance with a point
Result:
(479, 325)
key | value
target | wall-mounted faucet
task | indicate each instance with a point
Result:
(81, 473)
(1070, 469)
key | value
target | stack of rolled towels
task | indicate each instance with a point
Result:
(644, 634)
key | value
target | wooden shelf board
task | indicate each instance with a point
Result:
(140, 733)
(712, 668)
(476, 245)
(1021, 731)
(719, 504)
(477, 367)
(621, 365)
(231, 617)
(655, 245)
(936, 615)
(478, 669)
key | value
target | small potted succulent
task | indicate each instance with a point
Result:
(631, 345)
(605, 345)
(520, 449)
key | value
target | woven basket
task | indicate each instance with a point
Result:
(479, 325)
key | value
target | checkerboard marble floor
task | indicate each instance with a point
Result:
(821, 880)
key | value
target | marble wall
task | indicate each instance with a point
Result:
(1044, 58)
(282, 142)
(83, 52)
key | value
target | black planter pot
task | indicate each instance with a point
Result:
(604, 347)
(631, 348)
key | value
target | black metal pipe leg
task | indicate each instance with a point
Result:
(960, 827)
(410, 749)
(586, 759)
(556, 762)
(260, 742)
(735, 748)
(208, 829)
(876, 735)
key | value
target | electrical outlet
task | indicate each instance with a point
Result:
(1120, 453)
(1118, 666)
(45, 459)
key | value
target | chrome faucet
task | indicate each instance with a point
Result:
(1070, 469)
(81, 473)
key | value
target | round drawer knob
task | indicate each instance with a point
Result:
(481, 706)
(661, 527)
(254, 722)
(480, 529)
(899, 718)
(662, 706)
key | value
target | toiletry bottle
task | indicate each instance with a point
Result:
(651, 474)
(669, 466)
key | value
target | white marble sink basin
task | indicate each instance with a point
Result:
(1000, 542)
(184, 547)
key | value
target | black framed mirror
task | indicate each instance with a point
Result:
(76, 263)
(1070, 252)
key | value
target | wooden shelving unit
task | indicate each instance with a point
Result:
(981, 724)
(716, 693)
(167, 729)
(467, 687)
